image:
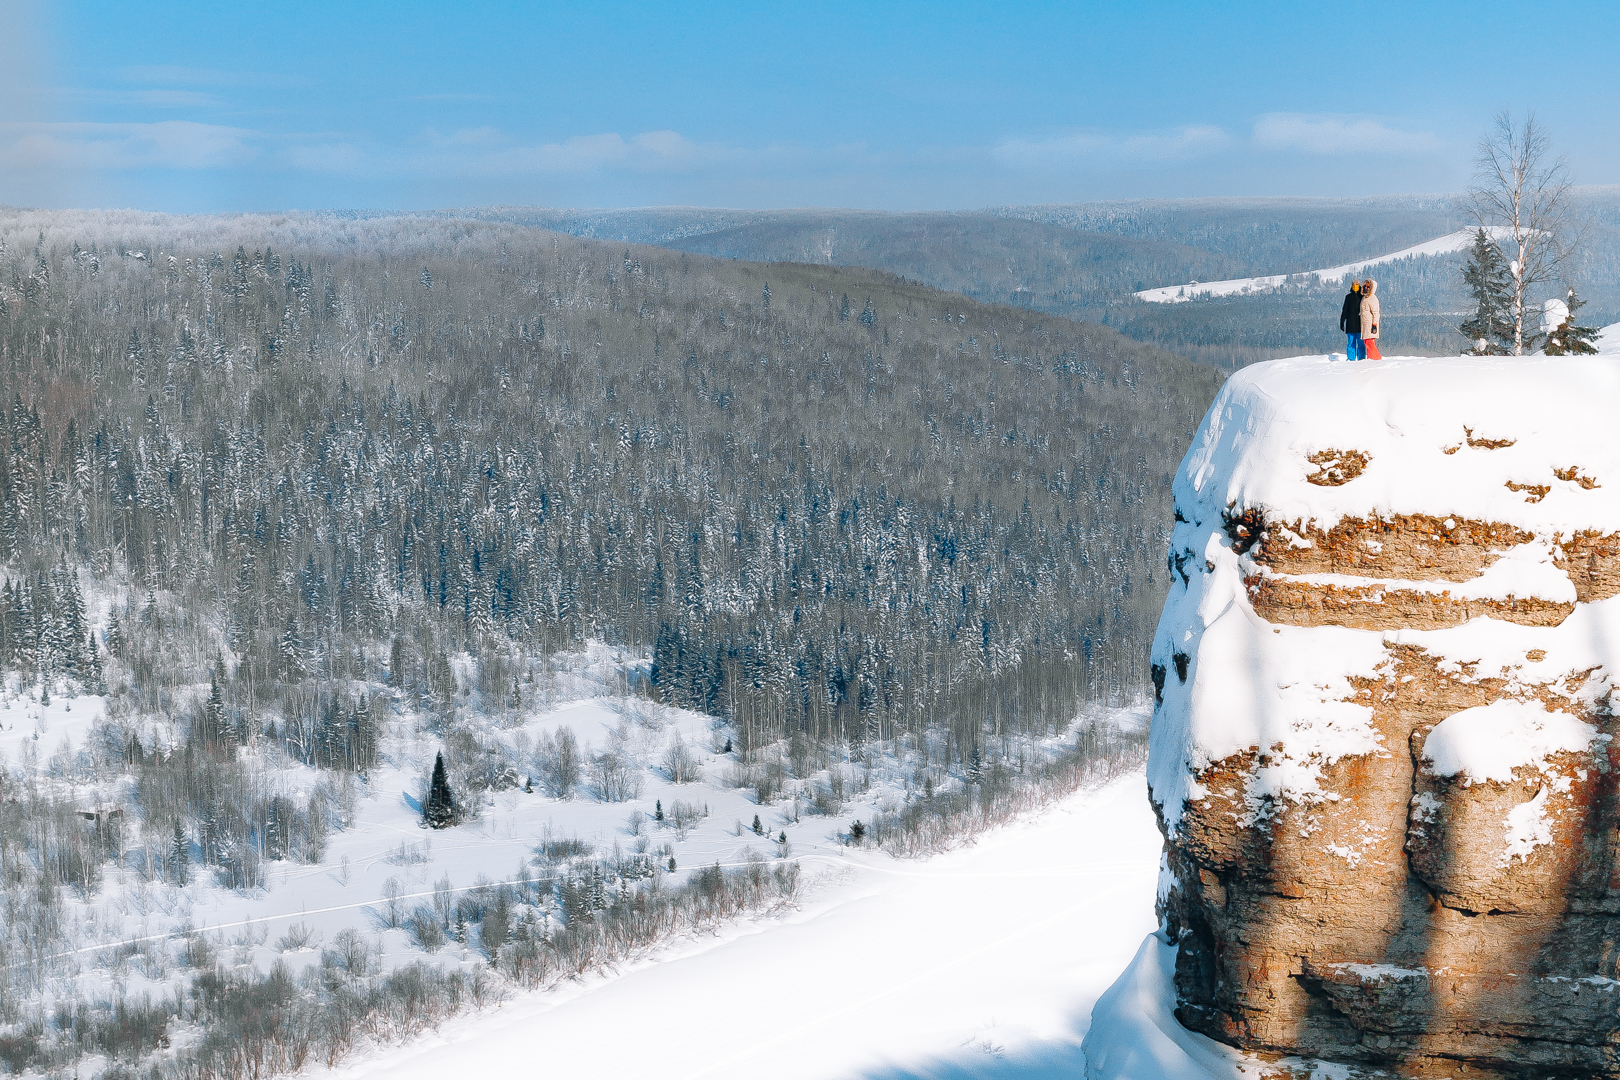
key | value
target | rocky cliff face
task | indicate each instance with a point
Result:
(1384, 753)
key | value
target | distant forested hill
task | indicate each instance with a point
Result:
(1085, 260)
(828, 500)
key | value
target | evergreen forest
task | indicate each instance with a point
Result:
(826, 500)
(305, 500)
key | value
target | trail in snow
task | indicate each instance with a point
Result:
(1440, 245)
(984, 962)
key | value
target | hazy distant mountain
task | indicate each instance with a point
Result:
(1085, 260)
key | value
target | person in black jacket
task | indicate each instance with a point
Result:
(1350, 323)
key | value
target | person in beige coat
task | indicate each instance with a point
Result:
(1369, 318)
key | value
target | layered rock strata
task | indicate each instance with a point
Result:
(1384, 753)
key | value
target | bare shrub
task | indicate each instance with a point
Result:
(392, 908)
(683, 815)
(298, 937)
(348, 952)
(615, 772)
(557, 762)
(196, 952)
(828, 800)
(426, 929)
(680, 763)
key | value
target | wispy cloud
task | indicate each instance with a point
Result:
(486, 151)
(175, 75)
(170, 144)
(659, 160)
(1339, 135)
(476, 152)
(150, 99)
(1065, 151)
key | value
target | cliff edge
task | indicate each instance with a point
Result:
(1383, 752)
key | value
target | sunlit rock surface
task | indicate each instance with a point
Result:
(1384, 755)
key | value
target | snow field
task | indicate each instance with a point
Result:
(29, 730)
(981, 962)
(1440, 245)
(132, 935)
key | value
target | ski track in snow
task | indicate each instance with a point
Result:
(983, 962)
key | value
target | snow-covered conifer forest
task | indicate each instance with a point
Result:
(683, 565)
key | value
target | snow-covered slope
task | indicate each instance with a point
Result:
(1171, 294)
(984, 962)
(382, 878)
(1608, 339)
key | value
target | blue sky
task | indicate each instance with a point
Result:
(189, 106)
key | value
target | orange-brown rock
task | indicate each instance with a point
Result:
(1380, 925)
(1378, 607)
(1384, 754)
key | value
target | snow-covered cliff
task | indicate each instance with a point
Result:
(1383, 753)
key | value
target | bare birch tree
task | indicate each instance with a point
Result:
(1522, 197)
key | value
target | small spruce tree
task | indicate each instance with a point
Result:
(1490, 329)
(439, 809)
(759, 830)
(179, 855)
(658, 809)
(214, 711)
(857, 832)
(1569, 339)
(98, 682)
(396, 663)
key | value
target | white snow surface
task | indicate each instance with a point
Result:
(982, 962)
(1608, 339)
(1526, 828)
(1440, 245)
(1489, 741)
(1406, 414)
(1135, 1035)
(29, 729)
(1553, 313)
(1286, 692)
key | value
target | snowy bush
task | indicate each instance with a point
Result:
(680, 763)
(557, 762)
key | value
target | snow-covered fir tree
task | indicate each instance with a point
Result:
(1569, 338)
(1489, 329)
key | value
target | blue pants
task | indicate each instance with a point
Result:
(1354, 348)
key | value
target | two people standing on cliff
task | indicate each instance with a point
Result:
(1359, 321)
